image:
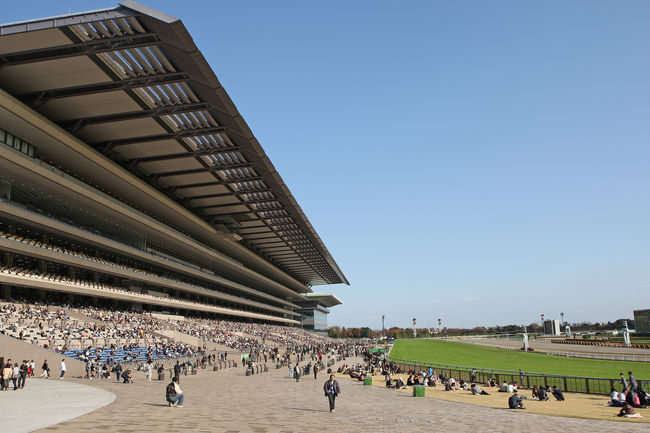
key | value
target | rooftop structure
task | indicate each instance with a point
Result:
(125, 164)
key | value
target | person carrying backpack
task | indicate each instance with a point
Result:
(174, 394)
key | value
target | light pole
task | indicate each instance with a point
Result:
(383, 333)
(415, 333)
(439, 326)
(543, 324)
(562, 318)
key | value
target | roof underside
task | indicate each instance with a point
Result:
(325, 299)
(130, 83)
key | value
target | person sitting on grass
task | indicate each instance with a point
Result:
(399, 384)
(449, 386)
(627, 411)
(559, 395)
(174, 394)
(409, 381)
(535, 392)
(476, 390)
(389, 382)
(503, 387)
(616, 399)
(515, 402)
(542, 395)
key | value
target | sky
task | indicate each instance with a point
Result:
(479, 162)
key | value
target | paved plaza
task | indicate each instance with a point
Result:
(44, 403)
(229, 401)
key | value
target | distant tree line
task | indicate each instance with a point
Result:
(396, 332)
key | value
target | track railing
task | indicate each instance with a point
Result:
(587, 385)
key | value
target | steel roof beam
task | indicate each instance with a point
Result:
(76, 125)
(211, 169)
(79, 49)
(200, 152)
(187, 133)
(38, 98)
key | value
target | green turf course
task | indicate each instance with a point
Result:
(474, 356)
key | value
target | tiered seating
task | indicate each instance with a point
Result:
(84, 256)
(181, 303)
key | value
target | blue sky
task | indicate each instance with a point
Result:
(481, 162)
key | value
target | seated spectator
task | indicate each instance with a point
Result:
(632, 398)
(174, 394)
(476, 390)
(542, 395)
(399, 384)
(515, 402)
(535, 392)
(409, 381)
(559, 395)
(389, 382)
(503, 387)
(615, 400)
(627, 411)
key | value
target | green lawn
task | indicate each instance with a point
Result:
(474, 356)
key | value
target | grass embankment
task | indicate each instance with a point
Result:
(474, 356)
(576, 405)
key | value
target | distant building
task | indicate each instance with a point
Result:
(642, 321)
(552, 327)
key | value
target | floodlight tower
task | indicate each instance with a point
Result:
(415, 333)
(562, 318)
(439, 326)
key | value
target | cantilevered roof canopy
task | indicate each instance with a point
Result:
(325, 299)
(131, 83)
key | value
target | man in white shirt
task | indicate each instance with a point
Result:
(62, 368)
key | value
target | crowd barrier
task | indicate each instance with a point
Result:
(587, 385)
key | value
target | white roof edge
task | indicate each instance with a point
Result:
(146, 10)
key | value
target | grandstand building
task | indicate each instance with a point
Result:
(128, 178)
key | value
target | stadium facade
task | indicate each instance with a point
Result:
(129, 179)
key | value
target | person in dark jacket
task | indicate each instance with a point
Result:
(118, 371)
(514, 401)
(174, 394)
(177, 371)
(559, 395)
(332, 390)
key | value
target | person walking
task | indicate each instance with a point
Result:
(624, 383)
(63, 368)
(118, 371)
(332, 390)
(315, 371)
(633, 384)
(24, 371)
(177, 371)
(296, 373)
(521, 379)
(46, 370)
